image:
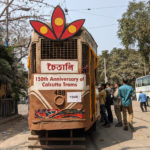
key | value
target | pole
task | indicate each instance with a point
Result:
(105, 71)
(7, 34)
(145, 68)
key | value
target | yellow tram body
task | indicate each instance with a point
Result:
(62, 77)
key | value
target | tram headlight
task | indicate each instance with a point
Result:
(59, 101)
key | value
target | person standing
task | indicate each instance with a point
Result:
(125, 92)
(102, 99)
(109, 102)
(117, 106)
(142, 98)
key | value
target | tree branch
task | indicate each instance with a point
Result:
(21, 17)
(37, 1)
(22, 57)
(22, 9)
(17, 46)
(6, 8)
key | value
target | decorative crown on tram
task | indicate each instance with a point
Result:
(59, 30)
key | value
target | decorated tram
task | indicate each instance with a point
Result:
(62, 75)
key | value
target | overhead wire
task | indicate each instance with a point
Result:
(96, 14)
(87, 10)
(103, 26)
(64, 5)
(104, 7)
(66, 10)
(69, 17)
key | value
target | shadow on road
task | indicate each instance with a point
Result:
(136, 148)
(105, 137)
(139, 127)
(13, 128)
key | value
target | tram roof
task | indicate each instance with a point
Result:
(84, 33)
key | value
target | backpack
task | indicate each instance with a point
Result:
(109, 98)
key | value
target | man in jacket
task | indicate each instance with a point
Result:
(102, 99)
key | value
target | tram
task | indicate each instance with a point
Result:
(62, 78)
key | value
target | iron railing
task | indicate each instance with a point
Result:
(7, 107)
(59, 49)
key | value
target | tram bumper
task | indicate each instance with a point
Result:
(55, 124)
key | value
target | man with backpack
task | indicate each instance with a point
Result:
(102, 99)
(109, 102)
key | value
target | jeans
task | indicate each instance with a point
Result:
(141, 105)
(109, 112)
(103, 112)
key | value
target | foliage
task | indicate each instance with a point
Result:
(5, 65)
(134, 28)
(19, 13)
(12, 73)
(120, 63)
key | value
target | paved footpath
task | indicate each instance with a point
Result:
(117, 139)
(14, 135)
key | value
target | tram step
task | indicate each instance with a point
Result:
(58, 146)
(58, 139)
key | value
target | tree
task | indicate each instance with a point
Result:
(13, 76)
(101, 73)
(5, 66)
(14, 16)
(121, 63)
(12, 73)
(134, 28)
(18, 13)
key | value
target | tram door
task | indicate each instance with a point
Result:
(88, 67)
(92, 85)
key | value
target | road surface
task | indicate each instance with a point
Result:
(14, 134)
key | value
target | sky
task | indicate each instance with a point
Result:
(101, 19)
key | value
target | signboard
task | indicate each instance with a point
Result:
(59, 66)
(60, 81)
(73, 97)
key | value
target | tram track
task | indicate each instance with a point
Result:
(58, 140)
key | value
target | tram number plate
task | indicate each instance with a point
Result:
(73, 97)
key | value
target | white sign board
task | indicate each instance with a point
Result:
(59, 66)
(60, 81)
(73, 97)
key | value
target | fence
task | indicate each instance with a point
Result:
(7, 107)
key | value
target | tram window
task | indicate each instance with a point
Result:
(59, 49)
(33, 58)
(85, 58)
(85, 61)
